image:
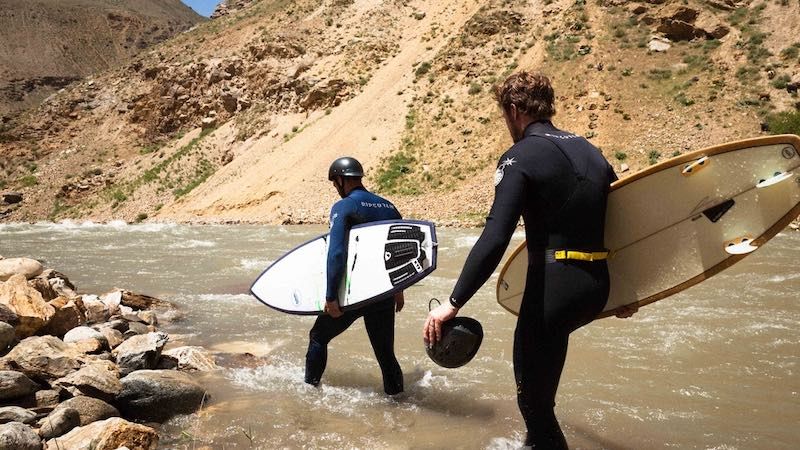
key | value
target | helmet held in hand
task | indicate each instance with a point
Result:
(461, 339)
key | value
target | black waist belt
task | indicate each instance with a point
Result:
(553, 255)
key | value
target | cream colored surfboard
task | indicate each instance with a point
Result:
(680, 222)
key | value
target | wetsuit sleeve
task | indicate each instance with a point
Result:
(509, 197)
(612, 176)
(337, 246)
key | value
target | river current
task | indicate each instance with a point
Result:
(714, 367)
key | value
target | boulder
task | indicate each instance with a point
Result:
(98, 379)
(112, 300)
(11, 198)
(148, 317)
(135, 328)
(18, 436)
(109, 434)
(16, 414)
(43, 358)
(15, 384)
(26, 267)
(113, 337)
(48, 399)
(7, 336)
(189, 358)
(96, 310)
(83, 333)
(27, 303)
(66, 317)
(44, 288)
(139, 301)
(7, 315)
(89, 409)
(140, 352)
(157, 395)
(58, 423)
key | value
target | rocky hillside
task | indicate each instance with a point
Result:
(47, 44)
(238, 119)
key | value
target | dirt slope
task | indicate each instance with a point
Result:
(238, 119)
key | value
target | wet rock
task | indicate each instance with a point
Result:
(157, 395)
(188, 358)
(140, 301)
(136, 328)
(66, 317)
(148, 317)
(58, 423)
(18, 436)
(98, 379)
(109, 434)
(7, 336)
(89, 409)
(239, 360)
(15, 384)
(27, 267)
(43, 358)
(140, 352)
(16, 414)
(27, 303)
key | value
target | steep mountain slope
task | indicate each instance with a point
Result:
(46, 44)
(238, 119)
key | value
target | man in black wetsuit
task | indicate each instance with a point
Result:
(356, 206)
(559, 183)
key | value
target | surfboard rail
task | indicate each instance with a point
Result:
(790, 152)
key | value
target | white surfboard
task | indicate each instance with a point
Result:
(680, 222)
(382, 258)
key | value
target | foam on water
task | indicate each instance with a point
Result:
(192, 243)
(255, 263)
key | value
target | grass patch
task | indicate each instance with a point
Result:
(659, 74)
(475, 88)
(653, 156)
(786, 122)
(203, 170)
(422, 69)
(28, 181)
(393, 172)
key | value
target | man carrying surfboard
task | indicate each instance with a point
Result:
(357, 206)
(559, 183)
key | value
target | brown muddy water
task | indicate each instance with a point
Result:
(715, 367)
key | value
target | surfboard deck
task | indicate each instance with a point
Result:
(382, 258)
(686, 219)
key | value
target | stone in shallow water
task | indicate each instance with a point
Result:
(157, 395)
(109, 434)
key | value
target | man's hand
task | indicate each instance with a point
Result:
(399, 301)
(332, 308)
(627, 311)
(432, 332)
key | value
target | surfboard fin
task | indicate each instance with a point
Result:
(740, 246)
(773, 180)
(696, 166)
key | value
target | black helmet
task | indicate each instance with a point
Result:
(345, 167)
(461, 339)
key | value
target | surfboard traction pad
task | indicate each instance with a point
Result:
(791, 150)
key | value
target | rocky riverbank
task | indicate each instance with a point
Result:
(85, 371)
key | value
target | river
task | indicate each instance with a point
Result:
(714, 367)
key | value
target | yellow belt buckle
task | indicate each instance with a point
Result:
(560, 254)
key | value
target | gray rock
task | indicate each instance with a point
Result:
(16, 414)
(140, 352)
(113, 337)
(135, 328)
(17, 436)
(7, 335)
(48, 399)
(15, 384)
(90, 409)
(83, 333)
(59, 422)
(157, 395)
(98, 379)
(96, 310)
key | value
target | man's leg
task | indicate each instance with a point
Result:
(380, 329)
(324, 329)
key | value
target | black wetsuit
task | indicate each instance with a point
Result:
(359, 206)
(558, 182)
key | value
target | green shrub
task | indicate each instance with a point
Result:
(621, 156)
(475, 88)
(140, 217)
(422, 69)
(781, 81)
(392, 172)
(29, 181)
(785, 122)
(653, 156)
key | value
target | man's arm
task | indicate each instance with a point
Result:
(337, 252)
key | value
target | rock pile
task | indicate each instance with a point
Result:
(78, 371)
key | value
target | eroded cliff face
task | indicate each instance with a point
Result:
(47, 44)
(238, 119)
